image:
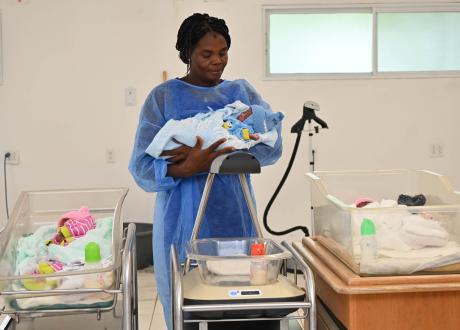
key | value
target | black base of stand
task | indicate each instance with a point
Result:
(248, 325)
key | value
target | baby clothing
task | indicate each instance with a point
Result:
(72, 225)
(49, 267)
(31, 250)
(212, 126)
(363, 201)
(75, 251)
(417, 200)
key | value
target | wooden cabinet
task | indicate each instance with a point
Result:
(390, 302)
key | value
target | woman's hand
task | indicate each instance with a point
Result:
(177, 155)
(195, 160)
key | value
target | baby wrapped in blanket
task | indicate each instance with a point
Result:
(233, 122)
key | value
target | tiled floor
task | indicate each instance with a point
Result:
(150, 309)
(150, 313)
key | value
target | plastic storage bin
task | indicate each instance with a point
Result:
(232, 261)
(410, 239)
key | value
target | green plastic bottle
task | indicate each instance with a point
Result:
(369, 251)
(92, 253)
(93, 261)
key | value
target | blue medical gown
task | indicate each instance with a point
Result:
(177, 199)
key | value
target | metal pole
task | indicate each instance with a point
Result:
(252, 209)
(200, 213)
(128, 281)
(202, 207)
(309, 284)
(310, 147)
(134, 275)
(177, 297)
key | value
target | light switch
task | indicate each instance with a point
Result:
(130, 97)
(110, 156)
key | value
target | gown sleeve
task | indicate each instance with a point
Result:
(263, 119)
(149, 172)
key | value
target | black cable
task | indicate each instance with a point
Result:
(5, 157)
(280, 185)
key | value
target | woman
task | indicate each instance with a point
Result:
(203, 43)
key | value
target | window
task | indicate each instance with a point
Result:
(418, 41)
(310, 43)
(362, 41)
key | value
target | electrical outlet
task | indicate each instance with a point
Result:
(436, 150)
(14, 157)
(110, 156)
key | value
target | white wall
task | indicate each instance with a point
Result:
(67, 64)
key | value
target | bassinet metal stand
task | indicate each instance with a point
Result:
(237, 163)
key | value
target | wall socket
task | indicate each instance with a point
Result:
(14, 157)
(437, 150)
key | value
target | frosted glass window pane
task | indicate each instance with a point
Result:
(418, 41)
(320, 43)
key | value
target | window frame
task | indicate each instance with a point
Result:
(373, 9)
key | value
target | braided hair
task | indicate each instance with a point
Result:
(193, 28)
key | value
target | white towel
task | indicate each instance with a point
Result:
(230, 267)
(418, 232)
(398, 229)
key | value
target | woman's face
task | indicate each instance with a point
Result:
(208, 60)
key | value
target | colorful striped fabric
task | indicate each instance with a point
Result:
(72, 225)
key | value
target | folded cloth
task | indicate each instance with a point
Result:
(80, 300)
(399, 230)
(407, 262)
(212, 126)
(229, 267)
(418, 232)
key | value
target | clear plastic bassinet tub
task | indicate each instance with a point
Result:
(409, 239)
(233, 261)
(38, 209)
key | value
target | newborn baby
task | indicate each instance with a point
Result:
(233, 122)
